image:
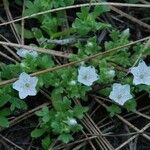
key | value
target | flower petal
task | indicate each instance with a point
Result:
(33, 81)
(24, 76)
(17, 85)
(22, 94)
(32, 92)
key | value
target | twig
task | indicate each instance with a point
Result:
(77, 6)
(9, 50)
(7, 57)
(22, 24)
(133, 137)
(7, 140)
(124, 120)
(27, 114)
(41, 50)
(76, 142)
(144, 2)
(94, 129)
(133, 19)
(75, 62)
(13, 26)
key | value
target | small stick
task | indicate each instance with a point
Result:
(7, 140)
(77, 6)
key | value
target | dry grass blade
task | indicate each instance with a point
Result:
(25, 116)
(40, 50)
(10, 142)
(133, 19)
(92, 127)
(133, 137)
(74, 62)
(77, 6)
(144, 2)
(7, 57)
(124, 120)
(10, 50)
(9, 16)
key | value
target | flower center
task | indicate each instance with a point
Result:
(142, 76)
(85, 77)
(27, 85)
(119, 96)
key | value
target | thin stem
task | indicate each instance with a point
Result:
(77, 6)
(75, 62)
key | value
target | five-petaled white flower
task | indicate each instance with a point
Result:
(71, 121)
(26, 85)
(87, 75)
(24, 52)
(120, 93)
(141, 74)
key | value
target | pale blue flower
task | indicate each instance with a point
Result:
(120, 93)
(26, 85)
(24, 52)
(87, 75)
(141, 74)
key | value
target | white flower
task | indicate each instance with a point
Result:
(23, 53)
(141, 74)
(71, 121)
(87, 75)
(26, 85)
(120, 93)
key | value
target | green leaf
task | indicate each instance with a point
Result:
(79, 111)
(143, 87)
(45, 62)
(5, 112)
(37, 33)
(10, 71)
(86, 22)
(46, 142)
(113, 109)
(18, 2)
(4, 99)
(37, 133)
(105, 91)
(4, 121)
(65, 138)
(57, 99)
(98, 10)
(131, 105)
(17, 103)
(27, 33)
(42, 112)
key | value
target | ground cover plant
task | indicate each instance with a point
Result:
(74, 74)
